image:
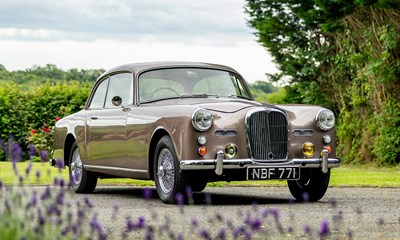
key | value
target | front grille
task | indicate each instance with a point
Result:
(267, 133)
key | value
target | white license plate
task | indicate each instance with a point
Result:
(273, 173)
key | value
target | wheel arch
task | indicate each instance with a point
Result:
(158, 134)
(67, 148)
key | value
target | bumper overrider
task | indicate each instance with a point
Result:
(219, 164)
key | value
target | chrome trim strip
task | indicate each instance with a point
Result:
(244, 163)
(94, 167)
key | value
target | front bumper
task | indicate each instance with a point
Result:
(219, 164)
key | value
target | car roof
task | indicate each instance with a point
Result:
(144, 66)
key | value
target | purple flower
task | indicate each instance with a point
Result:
(307, 229)
(62, 182)
(55, 181)
(237, 231)
(247, 235)
(189, 192)
(43, 155)
(46, 194)
(221, 234)
(64, 231)
(38, 174)
(333, 203)
(179, 237)
(1, 184)
(219, 217)
(21, 179)
(16, 152)
(60, 197)
(28, 168)
(41, 218)
(130, 226)
(33, 201)
(141, 222)
(147, 193)
(115, 210)
(32, 151)
(60, 164)
(96, 226)
(275, 213)
(179, 198)
(89, 203)
(204, 234)
(53, 210)
(150, 233)
(324, 229)
(194, 222)
(256, 224)
(305, 197)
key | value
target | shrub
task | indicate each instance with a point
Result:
(35, 109)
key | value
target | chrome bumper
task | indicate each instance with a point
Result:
(219, 164)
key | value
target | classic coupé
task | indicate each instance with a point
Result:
(185, 124)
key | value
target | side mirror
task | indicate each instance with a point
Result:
(116, 101)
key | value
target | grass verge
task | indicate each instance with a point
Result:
(344, 176)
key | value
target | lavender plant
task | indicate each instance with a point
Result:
(51, 214)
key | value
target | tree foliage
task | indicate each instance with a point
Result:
(49, 73)
(344, 55)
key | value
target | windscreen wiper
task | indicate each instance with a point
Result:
(198, 95)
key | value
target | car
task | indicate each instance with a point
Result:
(185, 124)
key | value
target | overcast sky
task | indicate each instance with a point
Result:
(105, 33)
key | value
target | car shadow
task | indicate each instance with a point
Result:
(198, 198)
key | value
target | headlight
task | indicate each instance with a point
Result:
(325, 119)
(202, 120)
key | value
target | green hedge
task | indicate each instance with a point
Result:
(22, 111)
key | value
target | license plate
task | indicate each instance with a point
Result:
(273, 173)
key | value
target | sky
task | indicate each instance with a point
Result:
(88, 34)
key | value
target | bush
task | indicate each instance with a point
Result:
(36, 109)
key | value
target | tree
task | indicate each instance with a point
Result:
(343, 55)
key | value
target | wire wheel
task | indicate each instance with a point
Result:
(76, 167)
(166, 171)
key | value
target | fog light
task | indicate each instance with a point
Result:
(308, 149)
(202, 140)
(230, 151)
(202, 151)
(326, 139)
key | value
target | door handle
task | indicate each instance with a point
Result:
(94, 118)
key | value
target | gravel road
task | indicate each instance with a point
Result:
(265, 212)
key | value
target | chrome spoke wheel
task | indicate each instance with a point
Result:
(166, 171)
(76, 167)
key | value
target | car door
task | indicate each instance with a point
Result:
(106, 121)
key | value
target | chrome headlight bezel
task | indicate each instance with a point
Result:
(202, 119)
(325, 119)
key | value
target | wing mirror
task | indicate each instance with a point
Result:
(116, 101)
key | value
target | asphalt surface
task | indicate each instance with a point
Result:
(262, 212)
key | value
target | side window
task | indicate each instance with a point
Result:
(100, 95)
(120, 85)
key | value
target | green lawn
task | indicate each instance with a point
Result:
(344, 176)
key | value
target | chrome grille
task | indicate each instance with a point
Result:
(267, 133)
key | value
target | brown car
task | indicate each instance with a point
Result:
(185, 124)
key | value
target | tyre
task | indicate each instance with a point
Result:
(311, 186)
(82, 181)
(169, 178)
